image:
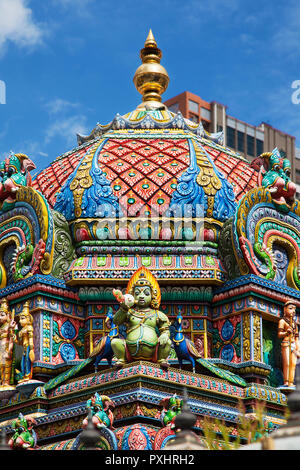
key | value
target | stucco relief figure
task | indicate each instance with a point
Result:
(7, 338)
(148, 335)
(275, 174)
(25, 339)
(290, 348)
(14, 172)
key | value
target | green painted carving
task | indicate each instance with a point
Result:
(266, 258)
(168, 294)
(226, 252)
(64, 252)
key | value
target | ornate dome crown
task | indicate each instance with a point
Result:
(147, 163)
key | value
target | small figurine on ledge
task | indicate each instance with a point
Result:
(184, 348)
(171, 408)
(290, 347)
(103, 349)
(24, 436)
(14, 173)
(7, 338)
(102, 415)
(25, 339)
(148, 335)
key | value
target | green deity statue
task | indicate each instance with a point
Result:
(148, 335)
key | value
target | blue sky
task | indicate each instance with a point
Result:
(68, 64)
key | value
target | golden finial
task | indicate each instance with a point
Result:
(151, 78)
(150, 41)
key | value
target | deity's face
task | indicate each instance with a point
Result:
(23, 320)
(3, 317)
(290, 310)
(143, 296)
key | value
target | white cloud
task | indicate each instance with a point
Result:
(67, 129)
(286, 35)
(80, 7)
(59, 105)
(280, 112)
(17, 24)
(200, 11)
(67, 3)
(63, 125)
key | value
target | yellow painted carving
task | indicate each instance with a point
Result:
(256, 337)
(83, 179)
(246, 337)
(207, 178)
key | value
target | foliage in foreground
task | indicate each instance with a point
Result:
(251, 427)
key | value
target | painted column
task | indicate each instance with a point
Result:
(252, 337)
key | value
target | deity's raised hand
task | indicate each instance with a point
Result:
(126, 300)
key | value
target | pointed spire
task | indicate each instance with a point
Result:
(151, 78)
(150, 41)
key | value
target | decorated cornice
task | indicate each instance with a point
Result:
(234, 288)
(38, 283)
(115, 269)
(152, 119)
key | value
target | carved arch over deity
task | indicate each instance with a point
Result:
(33, 238)
(263, 237)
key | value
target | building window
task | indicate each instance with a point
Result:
(259, 147)
(297, 176)
(241, 141)
(230, 137)
(250, 145)
(205, 113)
(194, 107)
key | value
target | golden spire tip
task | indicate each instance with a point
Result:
(150, 41)
(151, 78)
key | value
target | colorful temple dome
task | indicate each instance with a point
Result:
(148, 163)
(159, 256)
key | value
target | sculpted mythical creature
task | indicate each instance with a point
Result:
(103, 349)
(24, 436)
(27, 259)
(275, 174)
(171, 408)
(14, 172)
(100, 405)
(148, 335)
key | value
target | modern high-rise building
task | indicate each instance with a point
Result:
(246, 139)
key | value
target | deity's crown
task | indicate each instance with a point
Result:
(143, 277)
(4, 306)
(290, 302)
(143, 281)
(25, 311)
